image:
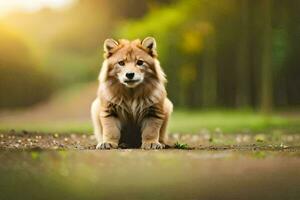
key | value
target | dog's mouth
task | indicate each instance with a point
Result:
(132, 81)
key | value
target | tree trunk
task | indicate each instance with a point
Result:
(209, 73)
(266, 65)
(243, 70)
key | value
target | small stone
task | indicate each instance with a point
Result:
(92, 137)
(206, 136)
(175, 136)
(19, 141)
(290, 138)
(28, 140)
(66, 139)
(56, 135)
(283, 146)
(184, 137)
(205, 131)
(239, 139)
(1, 136)
(218, 131)
(246, 138)
(195, 138)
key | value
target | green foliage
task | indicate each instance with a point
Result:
(212, 51)
(72, 68)
(35, 155)
(260, 138)
(180, 146)
(22, 82)
(210, 61)
(259, 154)
(185, 122)
(182, 30)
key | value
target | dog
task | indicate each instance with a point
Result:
(131, 109)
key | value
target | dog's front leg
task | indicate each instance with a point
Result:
(111, 127)
(150, 133)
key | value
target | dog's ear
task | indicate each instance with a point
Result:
(109, 45)
(149, 43)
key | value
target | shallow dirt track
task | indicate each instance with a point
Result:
(40, 141)
(233, 166)
(163, 174)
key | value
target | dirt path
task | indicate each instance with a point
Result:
(135, 175)
(40, 141)
(231, 166)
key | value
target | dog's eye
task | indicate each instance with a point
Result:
(121, 63)
(139, 62)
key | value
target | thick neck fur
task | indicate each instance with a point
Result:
(151, 91)
(148, 93)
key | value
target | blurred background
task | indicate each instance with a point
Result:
(229, 63)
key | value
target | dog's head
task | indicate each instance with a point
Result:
(131, 62)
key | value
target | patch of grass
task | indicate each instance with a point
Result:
(183, 121)
(180, 146)
(77, 127)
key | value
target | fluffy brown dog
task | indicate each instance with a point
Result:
(132, 108)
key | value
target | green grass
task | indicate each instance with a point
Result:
(180, 146)
(183, 121)
(80, 127)
(230, 121)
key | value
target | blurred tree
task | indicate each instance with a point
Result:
(292, 62)
(235, 64)
(71, 39)
(22, 82)
(227, 53)
(243, 53)
(266, 66)
(209, 71)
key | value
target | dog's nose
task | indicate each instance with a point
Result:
(130, 75)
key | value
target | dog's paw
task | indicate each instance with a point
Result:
(106, 145)
(152, 145)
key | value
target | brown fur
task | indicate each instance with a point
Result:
(131, 113)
